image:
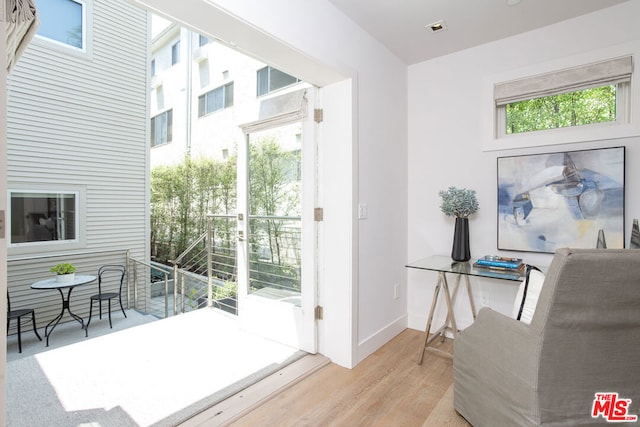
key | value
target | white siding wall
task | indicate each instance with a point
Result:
(81, 121)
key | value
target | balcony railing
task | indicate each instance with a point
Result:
(275, 256)
(205, 274)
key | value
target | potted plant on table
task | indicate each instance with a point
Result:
(460, 202)
(65, 272)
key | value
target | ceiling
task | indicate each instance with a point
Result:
(400, 24)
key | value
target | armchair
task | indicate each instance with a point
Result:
(584, 338)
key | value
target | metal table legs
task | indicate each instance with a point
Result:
(56, 320)
(450, 321)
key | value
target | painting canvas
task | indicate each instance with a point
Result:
(564, 199)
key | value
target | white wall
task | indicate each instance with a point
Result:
(314, 41)
(446, 137)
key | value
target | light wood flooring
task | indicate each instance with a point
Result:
(388, 388)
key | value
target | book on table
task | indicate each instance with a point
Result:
(498, 267)
(499, 274)
(491, 261)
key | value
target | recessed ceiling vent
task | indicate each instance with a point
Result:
(438, 26)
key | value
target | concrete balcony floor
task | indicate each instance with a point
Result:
(142, 372)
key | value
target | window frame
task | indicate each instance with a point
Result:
(622, 115)
(87, 11)
(626, 125)
(46, 245)
(270, 90)
(169, 132)
(175, 53)
(202, 99)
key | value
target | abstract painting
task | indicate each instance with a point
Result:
(564, 199)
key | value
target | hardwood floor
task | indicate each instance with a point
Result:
(388, 388)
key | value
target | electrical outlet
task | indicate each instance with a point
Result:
(485, 299)
(396, 291)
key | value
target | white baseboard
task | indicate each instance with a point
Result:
(381, 337)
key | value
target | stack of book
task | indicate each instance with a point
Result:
(502, 265)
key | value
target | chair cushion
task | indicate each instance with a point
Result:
(527, 297)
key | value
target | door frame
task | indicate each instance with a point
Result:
(283, 322)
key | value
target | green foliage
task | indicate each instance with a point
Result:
(459, 202)
(63, 268)
(274, 179)
(274, 190)
(596, 105)
(183, 195)
(181, 198)
(227, 290)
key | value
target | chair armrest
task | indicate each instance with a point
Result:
(507, 344)
(495, 369)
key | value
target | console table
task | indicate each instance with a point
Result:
(444, 265)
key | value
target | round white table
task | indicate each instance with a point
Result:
(47, 284)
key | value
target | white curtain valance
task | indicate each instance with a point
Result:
(22, 24)
(603, 73)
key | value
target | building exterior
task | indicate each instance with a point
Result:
(202, 91)
(77, 142)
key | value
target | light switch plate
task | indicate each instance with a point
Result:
(363, 211)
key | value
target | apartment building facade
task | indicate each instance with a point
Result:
(203, 91)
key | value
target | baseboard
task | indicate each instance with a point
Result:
(367, 346)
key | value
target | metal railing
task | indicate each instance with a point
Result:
(205, 274)
(275, 254)
(150, 271)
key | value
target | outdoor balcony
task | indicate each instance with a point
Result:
(174, 354)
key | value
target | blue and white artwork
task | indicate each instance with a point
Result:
(555, 200)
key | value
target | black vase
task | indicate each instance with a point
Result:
(461, 250)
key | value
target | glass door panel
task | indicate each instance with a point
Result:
(275, 213)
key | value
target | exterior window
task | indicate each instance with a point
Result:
(175, 53)
(38, 216)
(582, 107)
(62, 21)
(215, 100)
(153, 67)
(202, 40)
(161, 128)
(270, 79)
(587, 95)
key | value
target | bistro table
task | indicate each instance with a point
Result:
(78, 280)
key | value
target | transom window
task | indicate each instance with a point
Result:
(40, 216)
(582, 107)
(270, 79)
(592, 94)
(63, 21)
(217, 99)
(162, 128)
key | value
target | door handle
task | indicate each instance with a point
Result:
(241, 236)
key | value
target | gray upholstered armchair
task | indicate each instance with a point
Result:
(584, 338)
